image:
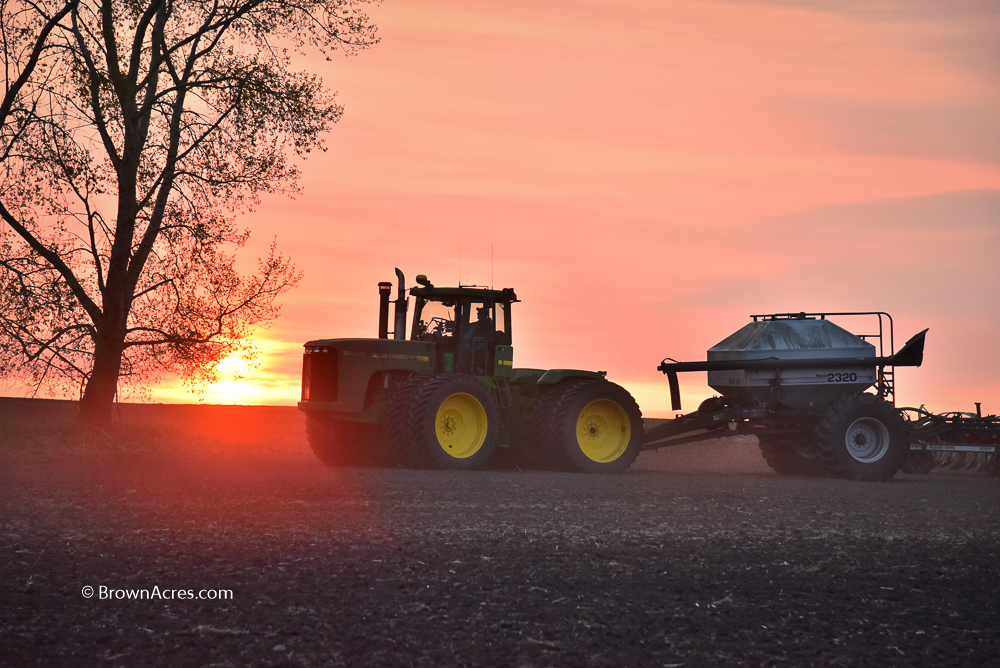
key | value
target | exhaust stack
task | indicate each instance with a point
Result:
(399, 324)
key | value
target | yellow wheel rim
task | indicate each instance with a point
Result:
(461, 425)
(603, 430)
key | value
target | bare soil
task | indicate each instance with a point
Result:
(697, 556)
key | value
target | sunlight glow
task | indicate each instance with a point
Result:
(274, 382)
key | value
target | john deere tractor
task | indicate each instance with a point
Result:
(449, 396)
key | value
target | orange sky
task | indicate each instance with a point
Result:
(648, 174)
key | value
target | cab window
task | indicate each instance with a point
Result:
(433, 321)
(502, 319)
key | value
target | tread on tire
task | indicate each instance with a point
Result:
(783, 459)
(396, 428)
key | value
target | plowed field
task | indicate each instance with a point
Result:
(695, 557)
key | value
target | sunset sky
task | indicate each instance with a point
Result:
(649, 174)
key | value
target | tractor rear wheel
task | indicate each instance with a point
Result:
(535, 450)
(342, 442)
(454, 422)
(592, 426)
(862, 437)
(788, 458)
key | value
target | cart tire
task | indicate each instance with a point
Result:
(785, 459)
(454, 422)
(593, 427)
(342, 442)
(862, 437)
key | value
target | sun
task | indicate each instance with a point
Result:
(271, 378)
(234, 365)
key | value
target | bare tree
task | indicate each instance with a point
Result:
(133, 133)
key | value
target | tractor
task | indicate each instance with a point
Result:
(449, 397)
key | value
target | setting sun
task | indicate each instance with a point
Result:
(235, 365)
(272, 379)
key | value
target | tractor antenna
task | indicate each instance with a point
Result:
(491, 266)
(460, 235)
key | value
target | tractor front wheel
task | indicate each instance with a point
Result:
(342, 442)
(454, 422)
(862, 437)
(592, 426)
(396, 426)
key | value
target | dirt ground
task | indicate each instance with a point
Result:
(697, 556)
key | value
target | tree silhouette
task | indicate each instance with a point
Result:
(133, 133)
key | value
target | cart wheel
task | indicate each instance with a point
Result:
(342, 442)
(454, 422)
(862, 437)
(593, 427)
(786, 458)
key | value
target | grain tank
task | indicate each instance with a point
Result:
(798, 338)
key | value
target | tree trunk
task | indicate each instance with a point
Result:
(109, 345)
(99, 395)
(109, 342)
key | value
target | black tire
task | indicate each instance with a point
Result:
(454, 422)
(862, 437)
(785, 458)
(342, 442)
(396, 426)
(592, 427)
(535, 451)
(919, 462)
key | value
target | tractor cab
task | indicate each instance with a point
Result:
(470, 327)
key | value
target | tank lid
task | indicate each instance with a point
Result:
(797, 334)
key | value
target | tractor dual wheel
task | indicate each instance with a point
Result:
(590, 426)
(396, 430)
(342, 442)
(787, 457)
(862, 437)
(454, 422)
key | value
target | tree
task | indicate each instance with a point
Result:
(133, 133)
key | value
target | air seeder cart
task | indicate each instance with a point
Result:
(798, 381)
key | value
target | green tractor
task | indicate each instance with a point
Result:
(449, 397)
